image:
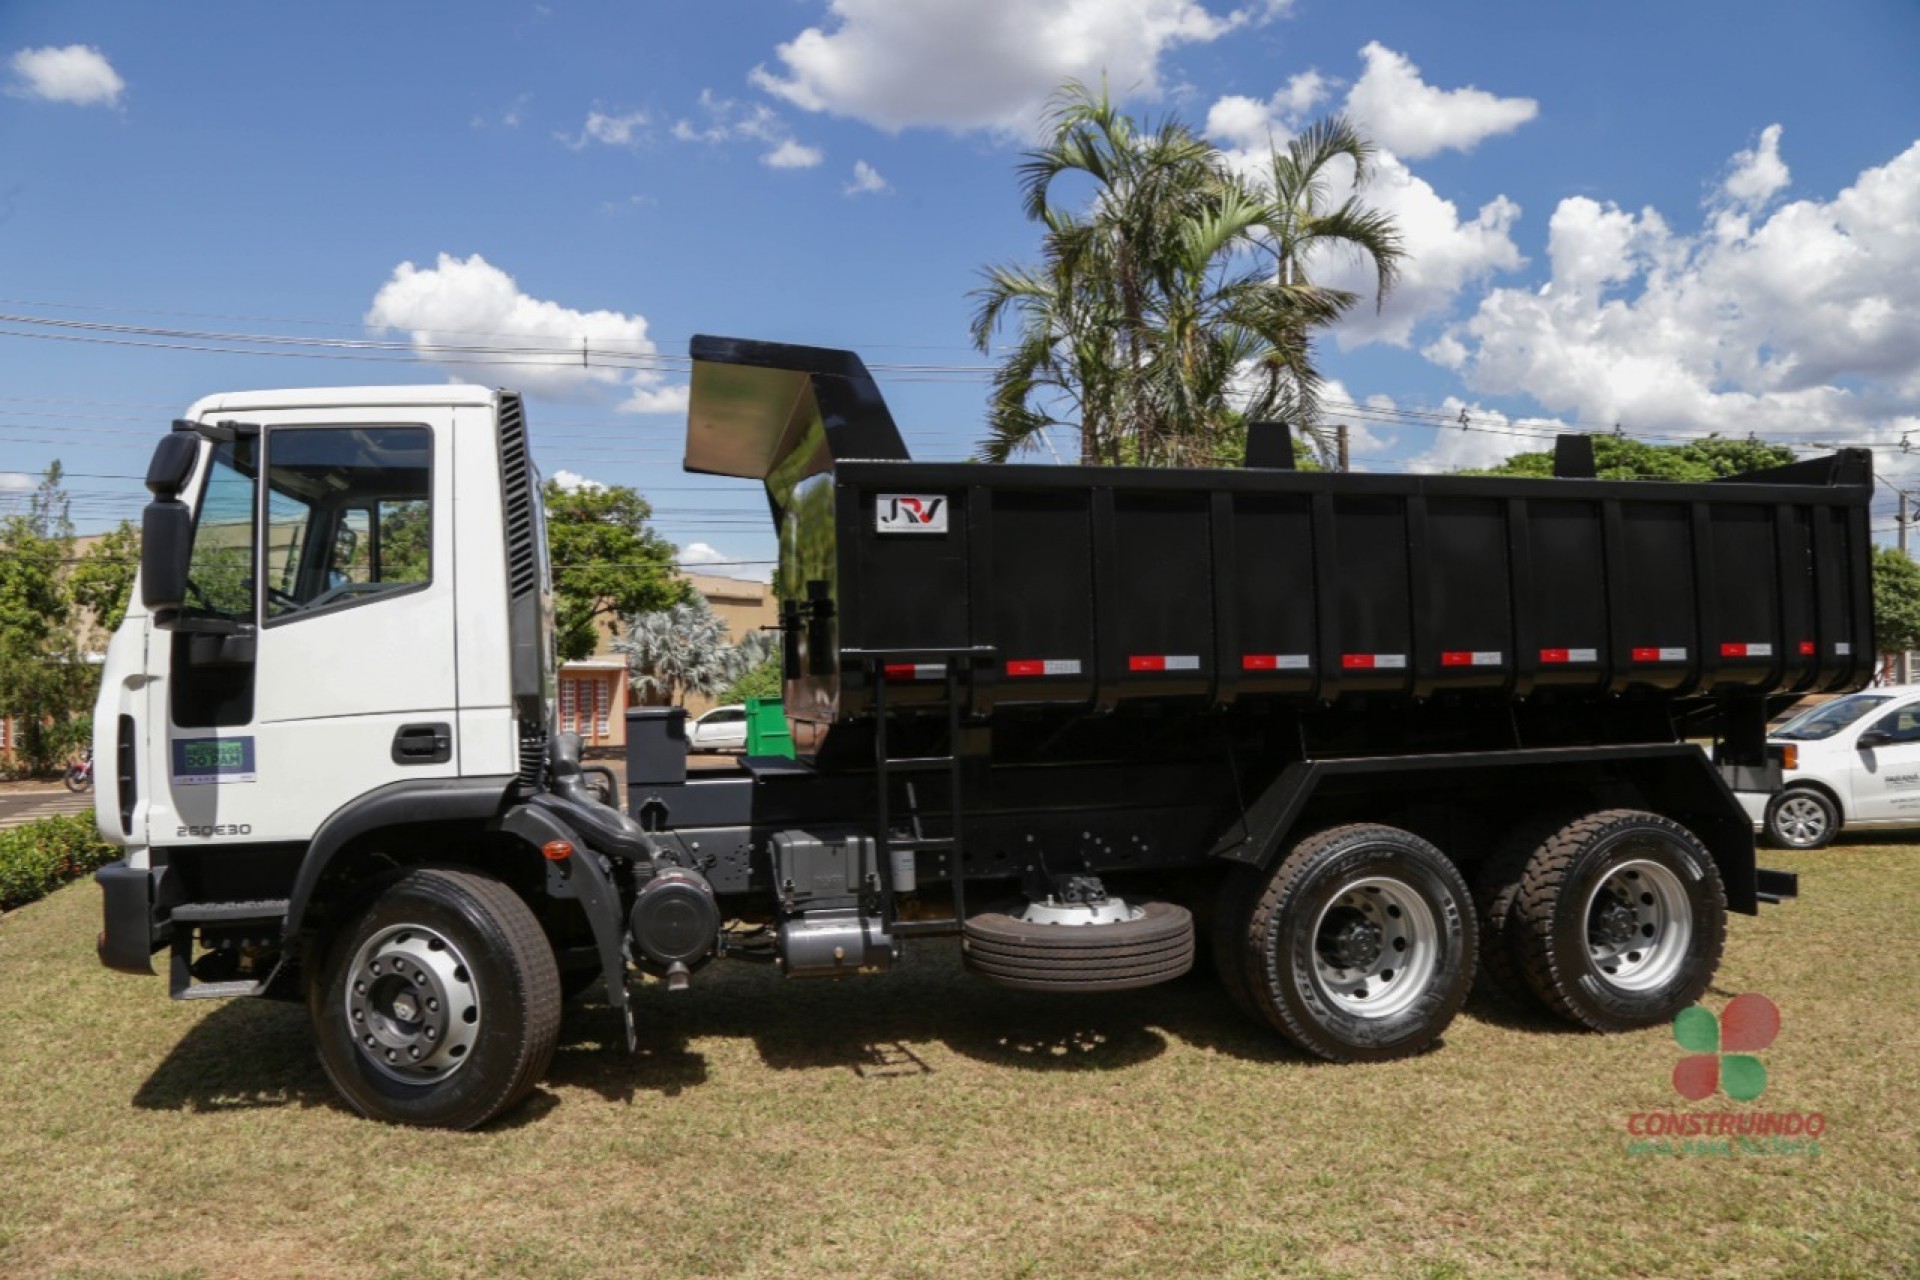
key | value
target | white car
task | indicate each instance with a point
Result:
(721, 729)
(1852, 762)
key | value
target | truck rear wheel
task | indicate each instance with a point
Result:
(1361, 946)
(1619, 920)
(439, 1005)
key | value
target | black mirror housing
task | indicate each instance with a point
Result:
(1873, 738)
(172, 463)
(166, 538)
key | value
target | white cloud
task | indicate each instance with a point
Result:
(1758, 175)
(18, 482)
(866, 181)
(792, 155)
(574, 482)
(983, 64)
(1800, 324)
(469, 301)
(613, 131)
(729, 120)
(697, 556)
(1413, 119)
(1489, 438)
(1445, 253)
(77, 73)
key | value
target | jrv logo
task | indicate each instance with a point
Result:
(910, 513)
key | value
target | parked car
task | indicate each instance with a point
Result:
(721, 729)
(1851, 762)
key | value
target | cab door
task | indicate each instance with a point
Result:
(325, 539)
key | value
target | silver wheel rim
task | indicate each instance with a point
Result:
(412, 1005)
(1375, 947)
(1800, 820)
(1639, 926)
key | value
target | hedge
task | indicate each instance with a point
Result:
(38, 857)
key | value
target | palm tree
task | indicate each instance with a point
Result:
(682, 650)
(1154, 324)
(1299, 230)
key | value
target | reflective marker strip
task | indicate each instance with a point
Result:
(1808, 649)
(1659, 655)
(1273, 662)
(1843, 648)
(1477, 658)
(1044, 667)
(1163, 662)
(1372, 661)
(1737, 650)
(1555, 656)
(915, 671)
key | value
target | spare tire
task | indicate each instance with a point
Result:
(1155, 946)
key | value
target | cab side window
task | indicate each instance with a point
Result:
(349, 516)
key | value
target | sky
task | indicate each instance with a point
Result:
(1669, 219)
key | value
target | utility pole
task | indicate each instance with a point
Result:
(1340, 452)
(1906, 655)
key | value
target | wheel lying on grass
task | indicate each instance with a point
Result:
(440, 1004)
(1619, 920)
(1802, 818)
(1360, 946)
(1152, 944)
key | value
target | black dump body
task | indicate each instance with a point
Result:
(1074, 592)
(1153, 674)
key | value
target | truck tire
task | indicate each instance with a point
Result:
(1619, 920)
(1496, 883)
(1360, 947)
(439, 1005)
(1011, 952)
(1802, 818)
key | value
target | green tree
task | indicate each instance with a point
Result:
(102, 582)
(607, 562)
(1622, 458)
(1896, 601)
(1177, 305)
(44, 677)
(760, 681)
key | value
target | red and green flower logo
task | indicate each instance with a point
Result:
(1720, 1049)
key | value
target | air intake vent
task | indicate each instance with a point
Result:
(516, 479)
(126, 772)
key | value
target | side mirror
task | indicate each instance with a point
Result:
(166, 528)
(166, 538)
(1873, 738)
(172, 463)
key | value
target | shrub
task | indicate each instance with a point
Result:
(762, 681)
(38, 857)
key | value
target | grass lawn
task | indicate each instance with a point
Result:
(925, 1124)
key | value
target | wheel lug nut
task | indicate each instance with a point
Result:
(414, 1052)
(433, 1033)
(359, 1016)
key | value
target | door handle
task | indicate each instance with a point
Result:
(423, 744)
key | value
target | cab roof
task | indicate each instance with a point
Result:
(448, 393)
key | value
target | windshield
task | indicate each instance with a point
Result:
(1830, 718)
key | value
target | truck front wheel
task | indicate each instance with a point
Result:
(1361, 946)
(1619, 920)
(440, 1004)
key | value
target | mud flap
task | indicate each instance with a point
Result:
(586, 878)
